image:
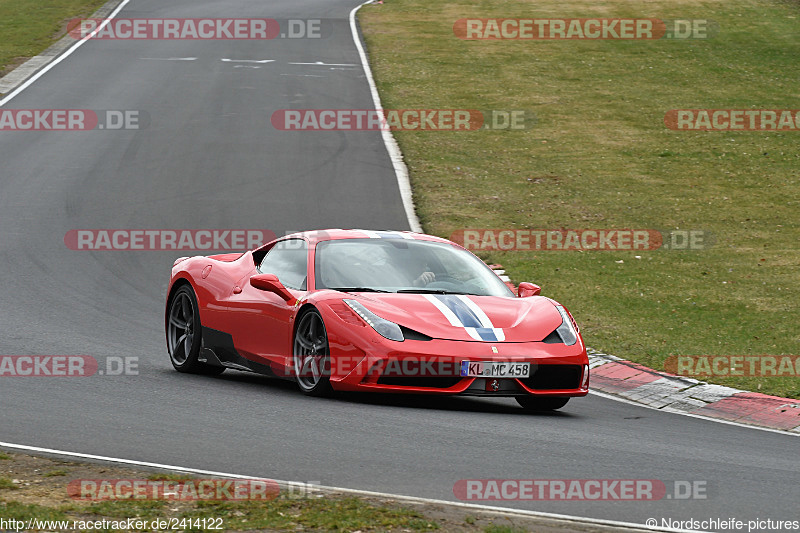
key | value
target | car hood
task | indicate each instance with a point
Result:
(466, 317)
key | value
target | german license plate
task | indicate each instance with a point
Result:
(495, 369)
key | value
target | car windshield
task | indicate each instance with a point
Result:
(403, 265)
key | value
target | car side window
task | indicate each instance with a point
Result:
(289, 261)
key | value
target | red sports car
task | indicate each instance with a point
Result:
(380, 311)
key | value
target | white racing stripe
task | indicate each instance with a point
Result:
(483, 331)
(386, 234)
(483, 318)
(449, 315)
(368, 233)
(499, 335)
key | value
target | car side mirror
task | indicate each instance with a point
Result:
(270, 283)
(528, 289)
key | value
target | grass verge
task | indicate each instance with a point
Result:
(600, 157)
(27, 492)
(28, 27)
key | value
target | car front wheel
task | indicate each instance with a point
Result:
(312, 356)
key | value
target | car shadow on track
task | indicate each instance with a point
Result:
(411, 401)
(446, 403)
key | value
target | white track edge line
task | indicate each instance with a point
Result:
(609, 396)
(400, 168)
(324, 488)
(27, 83)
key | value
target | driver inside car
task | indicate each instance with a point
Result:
(423, 279)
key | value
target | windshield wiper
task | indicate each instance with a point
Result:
(356, 289)
(434, 291)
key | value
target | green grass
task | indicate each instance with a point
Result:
(168, 477)
(348, 514)
(503, 529)
(7, 484)
(28, 27)
(4, 457)
(318, 514)
(21, 511)
(147, 509)
(600, 157)
(285, 513)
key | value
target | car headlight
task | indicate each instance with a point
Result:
(568, 331)
(385, 328)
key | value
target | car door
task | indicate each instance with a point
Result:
(260, 321)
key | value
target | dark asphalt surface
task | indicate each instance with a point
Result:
(211, 159)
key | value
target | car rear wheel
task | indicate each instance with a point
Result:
(312, 356)
(533, 403)
(184, 334)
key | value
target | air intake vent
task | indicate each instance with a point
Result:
(553, 338)
(432, 382)
(554, 377)
(411, 335)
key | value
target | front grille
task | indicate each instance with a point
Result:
(506, 387)
(431, 382)
(552, 377)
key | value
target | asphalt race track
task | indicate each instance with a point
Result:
(210, 158)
